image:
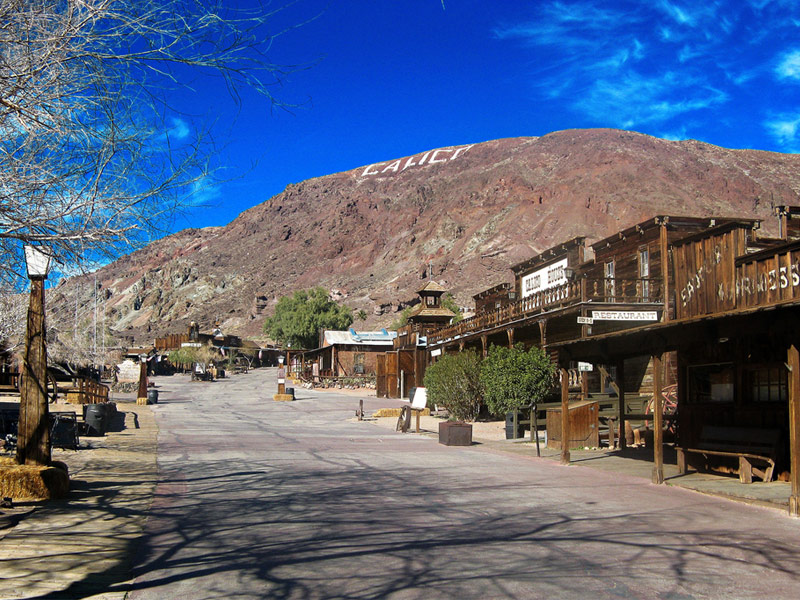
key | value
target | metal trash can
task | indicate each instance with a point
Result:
(510, 426)
(152, 396)
(96, 417)
(290, 391)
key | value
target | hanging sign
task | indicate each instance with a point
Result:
(624, 315)
(585, 320)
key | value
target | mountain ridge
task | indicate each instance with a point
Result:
(469, 211)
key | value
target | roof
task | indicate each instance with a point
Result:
(432, 286)
(422, 312)
(556, 252)
(362, 338)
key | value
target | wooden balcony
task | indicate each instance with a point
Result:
(604, 291)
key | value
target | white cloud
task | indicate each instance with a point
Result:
(635, 100)
(203, 192)
(784, 129)
(789, 66)
(179, 129)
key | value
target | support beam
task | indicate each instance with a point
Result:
(658, 418)
(565, 433)
(794, 429)
(510, 333)
(485, 345)
(621, 395)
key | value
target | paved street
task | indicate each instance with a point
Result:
(264, 499)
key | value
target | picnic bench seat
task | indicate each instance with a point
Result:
(755, 448)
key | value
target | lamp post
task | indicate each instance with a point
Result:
(33, 434)
(281, 376)
(141, 396)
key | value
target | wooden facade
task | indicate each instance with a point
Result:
(733, 326)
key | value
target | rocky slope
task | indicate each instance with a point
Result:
(468, 211)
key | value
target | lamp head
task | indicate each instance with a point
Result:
(37, 261)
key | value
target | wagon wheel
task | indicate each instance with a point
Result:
(404, 420)
(52, 383)
(669, 405)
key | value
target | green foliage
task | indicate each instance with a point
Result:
(453, 382)
(449, 303)
(402, 318)
(298, 318)
(362, 315)
(513, 378)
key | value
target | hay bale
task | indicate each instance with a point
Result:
(32, 482)
(395, 412)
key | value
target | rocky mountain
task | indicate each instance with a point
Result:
(467, 212)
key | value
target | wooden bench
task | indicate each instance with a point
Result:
(756, 449)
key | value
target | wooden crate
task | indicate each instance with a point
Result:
(584, 425)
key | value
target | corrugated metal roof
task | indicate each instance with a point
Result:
(365, 338)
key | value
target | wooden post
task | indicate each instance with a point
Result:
(141, 396)
(794, 429)
(658, 417)
(664, 250)
(33, 433)
(485, 345)
(510, 334)
(565, 434)
(621, 395)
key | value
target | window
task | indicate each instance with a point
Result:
(766, 383)
(610, 287)
(358, 363)
(644, 272)
(711, 383)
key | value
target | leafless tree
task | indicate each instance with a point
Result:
(90, 161)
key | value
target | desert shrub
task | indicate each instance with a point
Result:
(513, 378)
(453, 382)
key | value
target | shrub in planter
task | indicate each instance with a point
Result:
(513, 378)
(453, 382)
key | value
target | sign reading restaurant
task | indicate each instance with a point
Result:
(545, 278)
(624, 315)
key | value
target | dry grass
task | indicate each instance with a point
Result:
(30, 482)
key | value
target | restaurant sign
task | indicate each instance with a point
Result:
(625, 315)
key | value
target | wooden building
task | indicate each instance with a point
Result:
(403, 368)
(347, 353)
(734, 327)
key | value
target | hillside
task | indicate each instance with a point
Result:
(470, 211)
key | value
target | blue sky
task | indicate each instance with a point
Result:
(386, 79)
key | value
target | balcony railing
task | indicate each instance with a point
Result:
(599, 291)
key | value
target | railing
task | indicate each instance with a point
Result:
(607, 290)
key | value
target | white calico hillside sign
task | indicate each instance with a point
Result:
(431, 157)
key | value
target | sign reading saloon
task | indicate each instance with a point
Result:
(544, 278)
(432, 157)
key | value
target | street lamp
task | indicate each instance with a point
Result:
(33, 432)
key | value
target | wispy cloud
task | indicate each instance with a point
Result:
(203, 192)
(784, 128)
(179, 129)
(632, 63)
(789, 65)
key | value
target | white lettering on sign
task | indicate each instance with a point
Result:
(696, 280)
(544, 278)
(624, 315)
(442, 155)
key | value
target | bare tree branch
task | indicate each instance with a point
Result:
(90, 163)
